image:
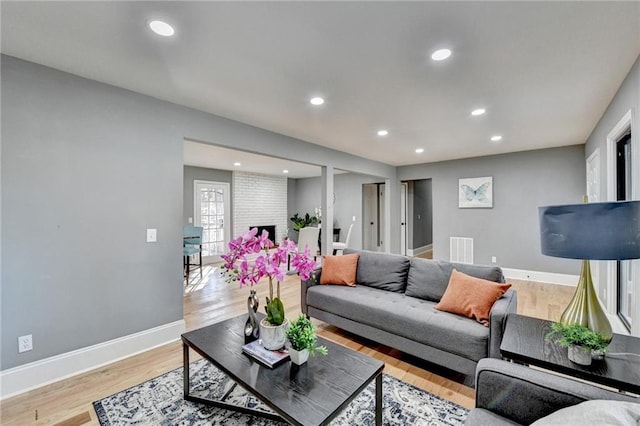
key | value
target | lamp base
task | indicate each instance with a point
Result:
(585, 308)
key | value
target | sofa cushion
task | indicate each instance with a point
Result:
(339, 270)
(595, 412)
(470, 296)
(428, 279)
(382, 270)
(409, 317)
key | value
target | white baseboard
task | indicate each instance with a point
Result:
(545, 277)
(43, 372)
(419, 250)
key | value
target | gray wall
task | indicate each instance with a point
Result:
(348, 191)
(522, 182)
(200, 173)
(422, 214)
(86, 168)
(628, 97)
(292, 191)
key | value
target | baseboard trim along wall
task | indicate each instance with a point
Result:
(25, 377)
(419, 250)
(544, 277)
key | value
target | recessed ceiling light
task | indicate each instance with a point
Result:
(317, 101)
(478, 111)
(419, 150)
(496, 138)
(441, 54)
(161, 28)
(383, 132)
(237, 164)
(285, 171)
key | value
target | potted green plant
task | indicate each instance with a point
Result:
(300, 222)
(302, 338)
(580, 341)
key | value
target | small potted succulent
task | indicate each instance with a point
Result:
(581, 342)
(302, 338)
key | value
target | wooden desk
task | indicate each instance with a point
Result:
(524, 341)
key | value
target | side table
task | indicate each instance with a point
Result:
(524, 342)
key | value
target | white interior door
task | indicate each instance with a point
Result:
(212, 211)
(593, 196)
(370, 216)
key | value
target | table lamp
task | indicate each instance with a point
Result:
(598, 231)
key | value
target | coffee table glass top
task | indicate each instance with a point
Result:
(524, 341)
(309, 394)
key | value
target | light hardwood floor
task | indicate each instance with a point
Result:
(209, 300)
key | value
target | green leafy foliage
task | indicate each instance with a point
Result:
(302, 222)
(302, 335)
(578, 335)
(275, 311)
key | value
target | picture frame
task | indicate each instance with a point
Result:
(475, 193)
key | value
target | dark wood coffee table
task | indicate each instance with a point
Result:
(312, 394)
(524, 341)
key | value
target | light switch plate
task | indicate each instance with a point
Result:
(152, 235)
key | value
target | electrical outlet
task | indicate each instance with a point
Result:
(152, 235)
(493, 259)
(25, 343)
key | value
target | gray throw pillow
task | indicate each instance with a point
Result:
(595, 412)
(381, 270)
(428, 279)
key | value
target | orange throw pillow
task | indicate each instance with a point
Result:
(339, 270)
(470, 296)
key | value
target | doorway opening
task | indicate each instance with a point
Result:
(420, 218)
(373, 219)
(624, 186)
(623, 166)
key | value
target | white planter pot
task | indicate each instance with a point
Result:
(299, 357)
(273, 337)
(579, 355)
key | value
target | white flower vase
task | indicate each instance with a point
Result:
(579, 355)
(273, 336)
(298, 357)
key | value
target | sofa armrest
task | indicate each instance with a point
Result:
(508, 303)
(524, 395)
(314, 279)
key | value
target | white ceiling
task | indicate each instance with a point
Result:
(215, 157)
(545, 71)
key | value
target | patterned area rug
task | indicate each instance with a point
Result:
(159, 402)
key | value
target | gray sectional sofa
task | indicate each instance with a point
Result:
(511, 394)
(393, 304)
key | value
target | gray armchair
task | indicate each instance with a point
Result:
(512, 394)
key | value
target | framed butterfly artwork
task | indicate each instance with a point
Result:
(475, 193)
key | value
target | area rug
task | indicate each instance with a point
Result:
(159, 402)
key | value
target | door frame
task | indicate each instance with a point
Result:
(628, 120)
(404, 190)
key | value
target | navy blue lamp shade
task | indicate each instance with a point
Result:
(594, 231)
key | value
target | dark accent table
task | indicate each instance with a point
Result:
(524, 341)
(311, 394)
